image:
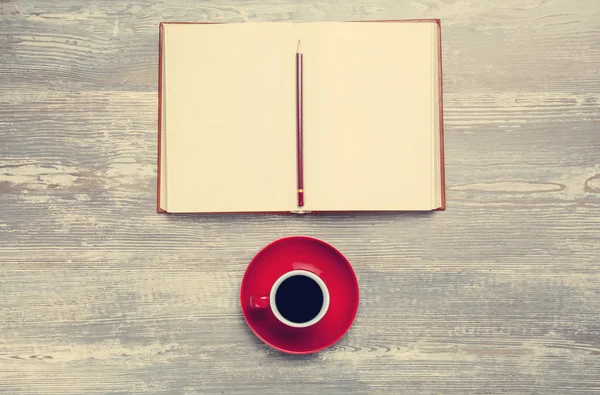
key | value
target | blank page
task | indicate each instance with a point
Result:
(229, 118)
(369, 119)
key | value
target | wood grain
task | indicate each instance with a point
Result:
(101, 295)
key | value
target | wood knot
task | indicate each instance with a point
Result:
(592, 184)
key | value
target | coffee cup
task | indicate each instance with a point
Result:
(298, 299)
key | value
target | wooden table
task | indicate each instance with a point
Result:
(101, 295)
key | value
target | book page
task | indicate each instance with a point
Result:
(369, 117)
(229, 117)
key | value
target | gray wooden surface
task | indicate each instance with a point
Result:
(101, 295)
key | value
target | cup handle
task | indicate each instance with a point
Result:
(259, 302)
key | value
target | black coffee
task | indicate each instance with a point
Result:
(299, 299)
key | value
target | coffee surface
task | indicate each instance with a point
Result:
(299, 299)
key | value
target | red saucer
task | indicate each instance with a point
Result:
(307, 253)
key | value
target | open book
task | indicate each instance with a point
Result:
(372, 117)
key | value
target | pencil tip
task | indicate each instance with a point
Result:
(298, 48)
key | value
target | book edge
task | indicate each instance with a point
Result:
(426, 20)
(160, 117)
(441, 117)
(296, 212)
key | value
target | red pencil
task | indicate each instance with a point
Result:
(300, 169)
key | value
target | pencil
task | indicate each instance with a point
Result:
(299, 126)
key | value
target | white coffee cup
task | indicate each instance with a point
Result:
(292, 305)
